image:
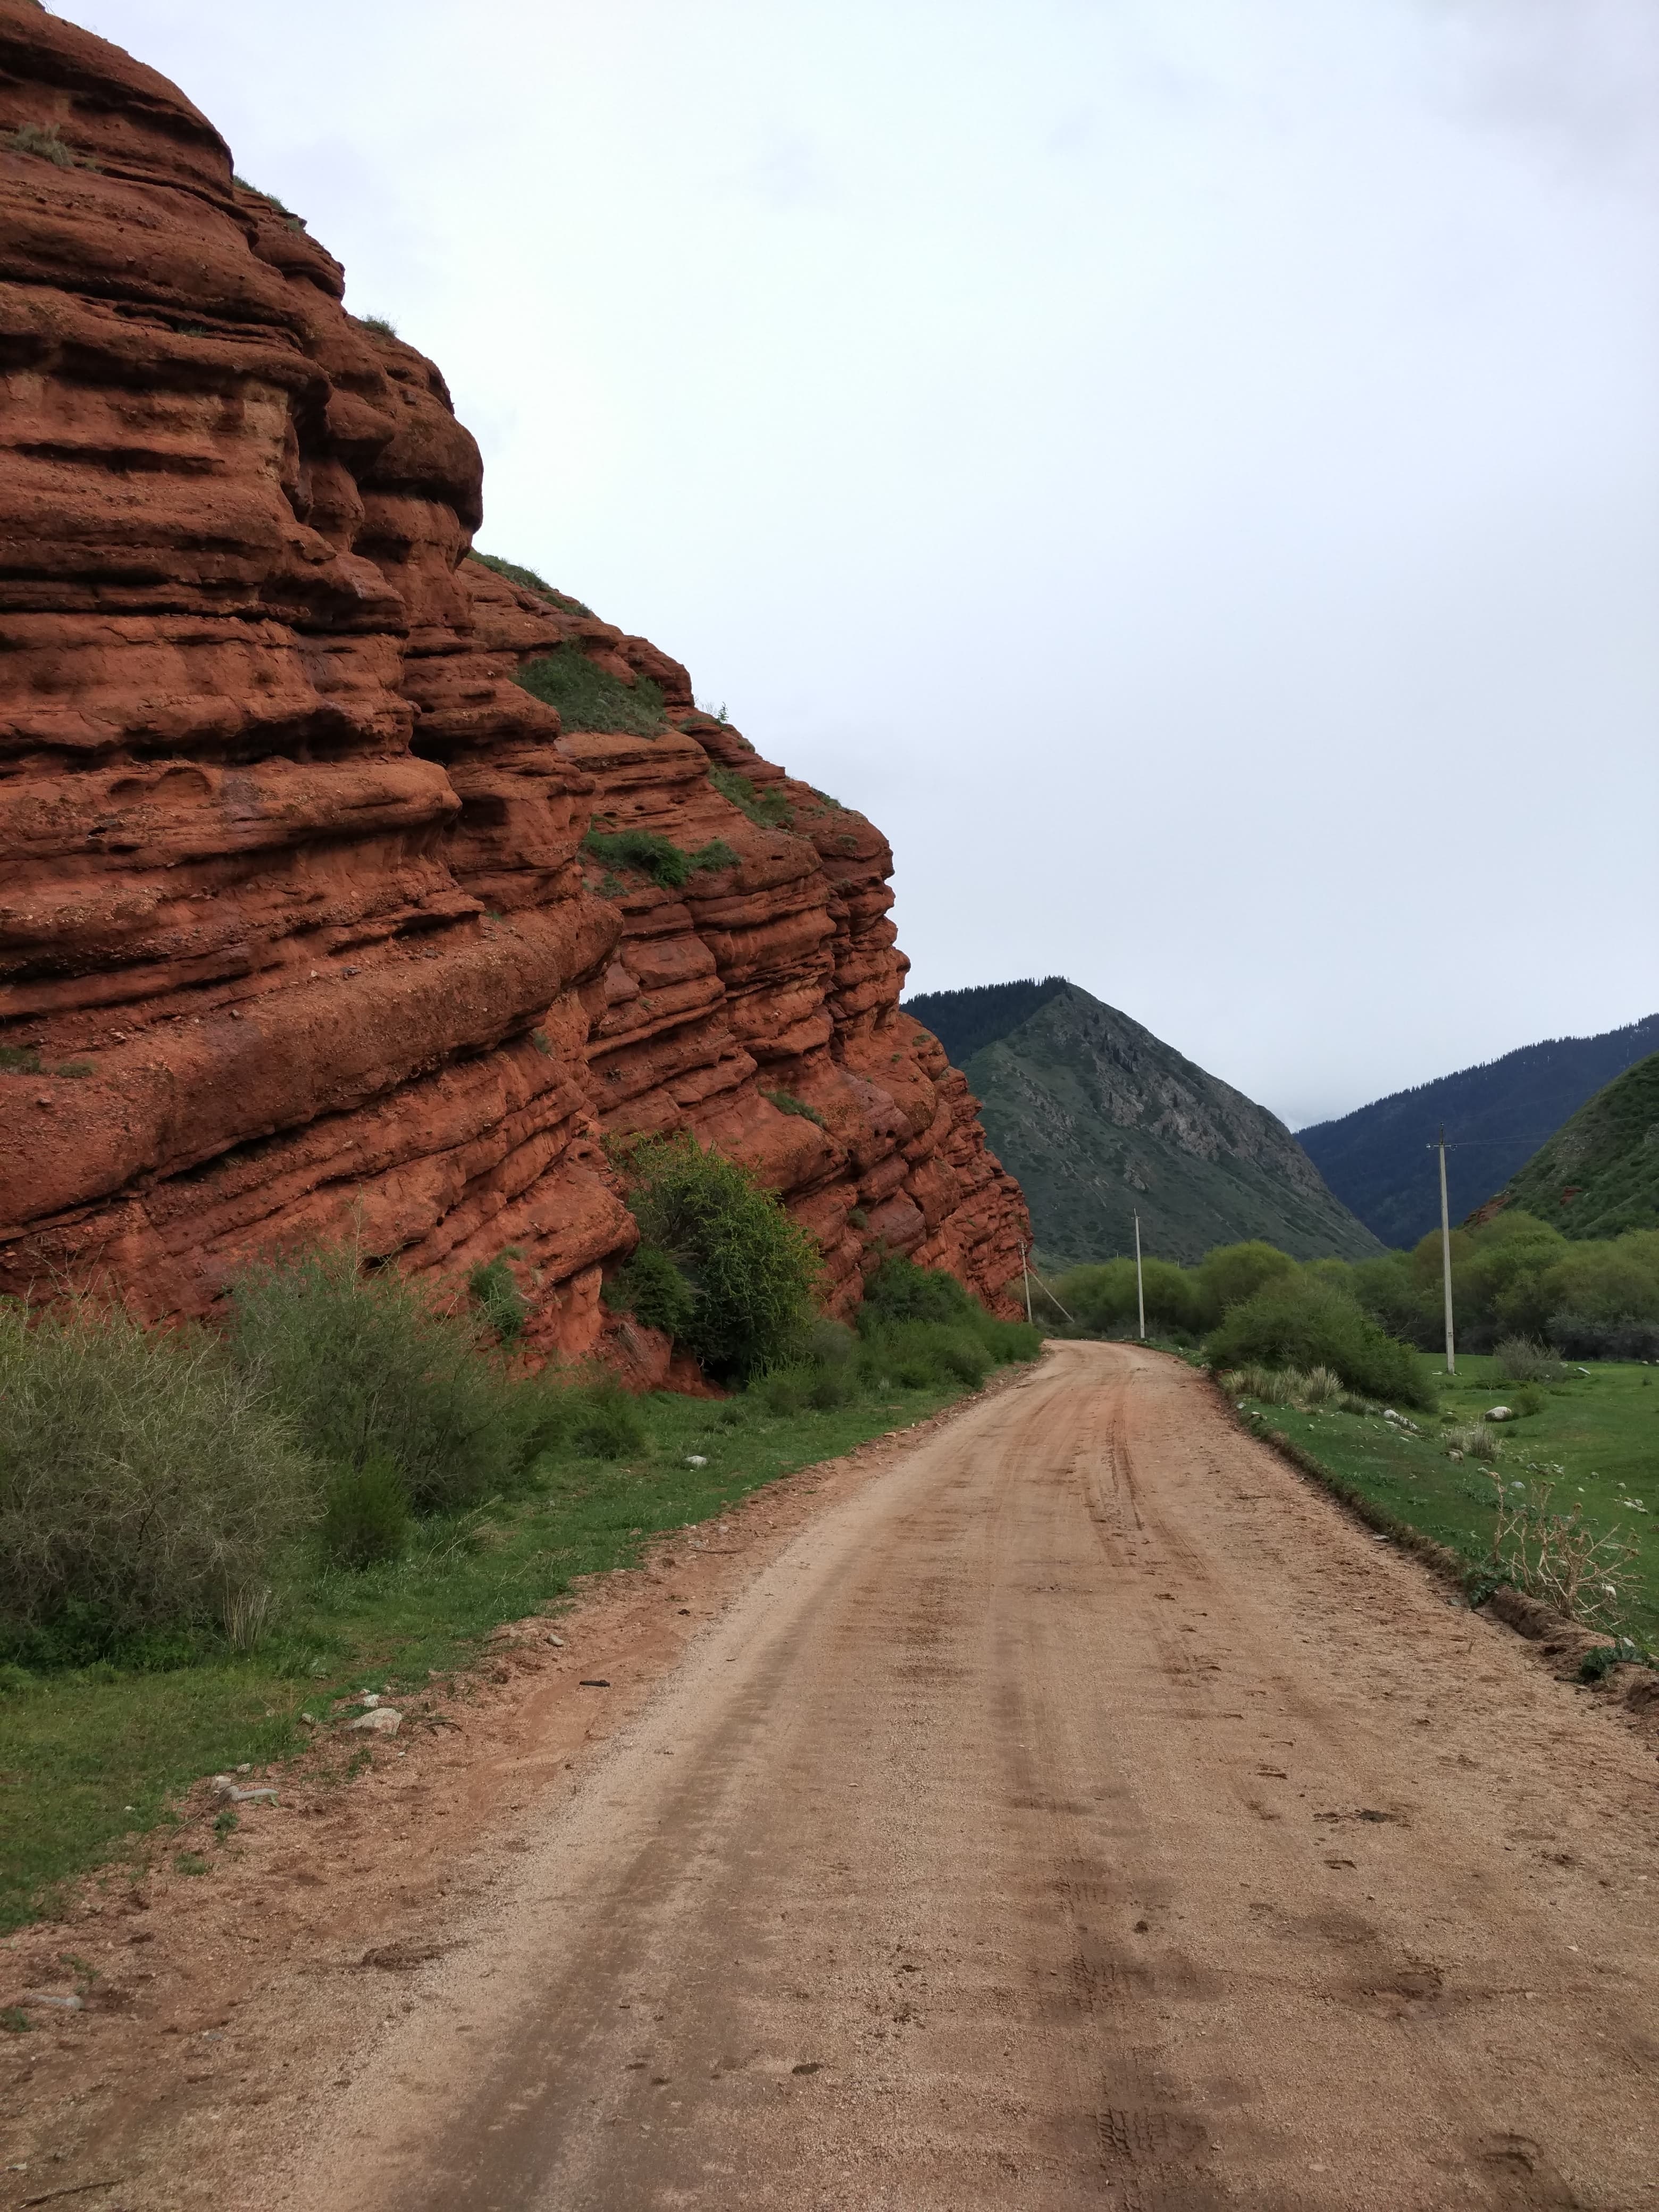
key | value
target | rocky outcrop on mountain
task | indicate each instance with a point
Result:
(298, 931)
(1102, 1121)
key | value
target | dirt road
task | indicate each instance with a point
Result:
(1083, 1812)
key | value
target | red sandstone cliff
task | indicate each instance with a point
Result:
(295, 923)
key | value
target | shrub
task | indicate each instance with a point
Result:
(595, 1420)
(1586, 1336)
(787, 1103)
(1104, 1299)
(752, 1271)
(528, 580)
(656, 857)
(1297, 1320)
(498, 1297)
(651, 1288)
(1232, 1272)
(42, 140)
(830, 1343)
(767, 810)
(1387, 1290)
(145, 1484)
(1611, 1282)
(380, 324)
(1475, 1440)
(589, 697)
(897, 1290)
(369, 1372)
(1521, 1360)
(367, 1516)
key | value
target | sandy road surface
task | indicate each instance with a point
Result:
(1083, 1812)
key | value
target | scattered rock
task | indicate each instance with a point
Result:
(1499, 1414)
(695, 1459)
(383, 1720)
(50, 2002)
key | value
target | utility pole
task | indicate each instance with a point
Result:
(1140, 1288)
(1025, 1274)
(1445, 1251)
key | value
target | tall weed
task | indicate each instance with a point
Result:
(368, 1372)
(148, 1487)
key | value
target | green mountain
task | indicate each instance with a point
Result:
(1599, 1174)
(1099, 1119)
(1377, 1160)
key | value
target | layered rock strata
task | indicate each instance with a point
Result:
(298, 932)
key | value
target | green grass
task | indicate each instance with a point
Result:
(79, 1748)
(588, 697)
(767, 810)
(787, 1103)
(666, 863)
(530, 581)
(1600, 1431)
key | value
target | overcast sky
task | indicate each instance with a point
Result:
(1188, 468)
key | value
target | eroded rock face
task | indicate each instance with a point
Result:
(297, 931)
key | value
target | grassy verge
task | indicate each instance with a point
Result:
(91, 1757)
(1595, 1439)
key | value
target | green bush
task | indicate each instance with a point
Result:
(787, 1103)
(664, 862)
(767, 810)
(366, 1516)
(528, 580)
(1298, 1320)
(366, 1372)
(1232, 1272)
(1387, 1288)
(923, 1327)
(594, 1420)
(498, 1297)
(146, 1486)
(651, 1287)
(897, 1290)
(589, 697)
(753, 1272)
(1102, 1299)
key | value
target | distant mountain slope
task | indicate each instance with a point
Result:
(1098, 1118)
(1496, 1115)
(1599, 1174)
(965, 1022)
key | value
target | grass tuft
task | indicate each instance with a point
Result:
(766, 809)
(589, 697)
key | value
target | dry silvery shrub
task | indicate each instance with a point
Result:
(1475, 1440)
(1560, 1558)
